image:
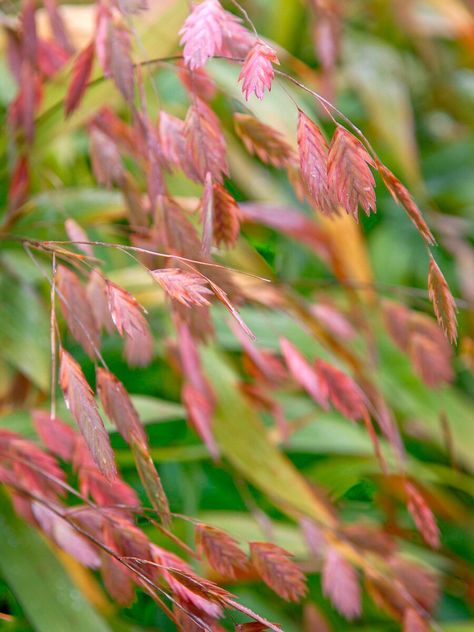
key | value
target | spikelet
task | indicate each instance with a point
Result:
(81, 73)
(186, 287)
(443, 301)
(313, 155)
(350, 178)
(257, 72)
(264, 141)
(80, 401)
(221, 550)
(277, 569)
(341, 584)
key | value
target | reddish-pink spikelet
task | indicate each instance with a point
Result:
(51, 57)
(119, 408)
(264, 141)
(253, 626)
(207, 216)
(186, 287)
(174, 146)
(257, 71)
(313, 154)
(350, 179)
(224, 299)
(304, 373)
(64, 535)
(402, 196)
(97, 294)
(117, 579)
(121, 65)
(75, 232)
(343, 392)
(130, 322)
(176, 573)
(276, 568)
(151, 481)
(80, 401)
(57, 25)
(443, 302)
(19, 183)
(205, 143)
(201, 34)
(81, 73)
(221, 550)
(226, 217)
(430, 360)
(341, 584)
(105, 158)
(414, 622)
(423, 516)
(77, 310)
(197, 82)
(200, 407)
(57, 436)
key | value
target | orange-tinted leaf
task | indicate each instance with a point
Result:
(81, 72)
(275, 567)
(221, 550)
(264, 141)
(443, 301)
(80, 401)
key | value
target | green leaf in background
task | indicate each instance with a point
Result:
(50, 600)
(24, 330)
(244, 441)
